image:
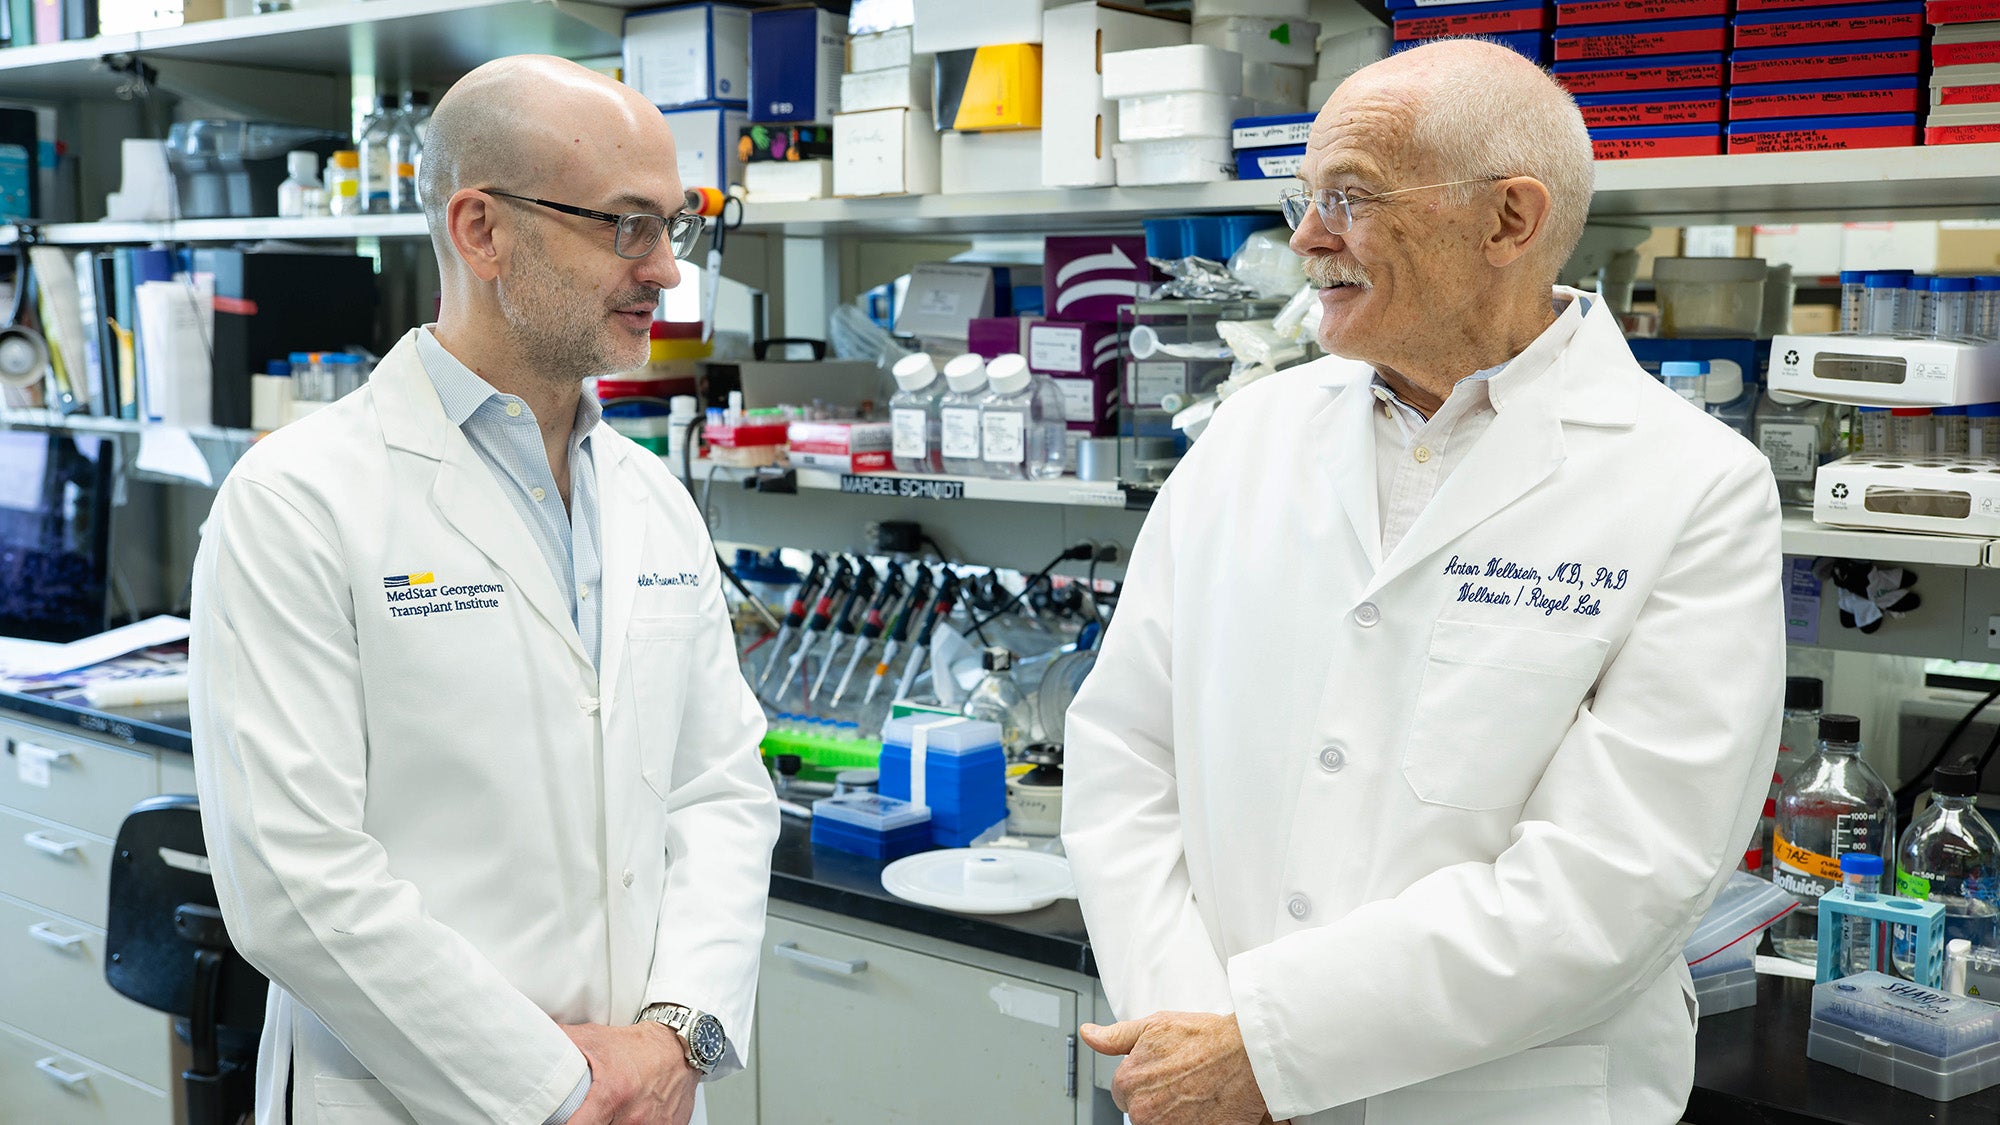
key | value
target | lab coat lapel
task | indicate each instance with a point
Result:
(623, 516)
(1346, 441)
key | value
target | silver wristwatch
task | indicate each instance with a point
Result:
(700, 1033)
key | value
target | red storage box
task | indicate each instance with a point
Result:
(1961, 11)
(1677, 107)
(1656, 140)
(1889, 59)
(1626, 76)
(1832, 25)
(1472, 19)
(1817, 99)
(1572, 12)
(1818, 134)
(1631, 40)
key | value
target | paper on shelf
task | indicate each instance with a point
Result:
(23, 661)
(170, 451)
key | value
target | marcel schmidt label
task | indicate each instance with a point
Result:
(901, 488)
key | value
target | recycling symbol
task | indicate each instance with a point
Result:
(1792, 358)
(1840, 492)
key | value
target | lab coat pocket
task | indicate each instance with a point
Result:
(660, 654)
(1494, 703)
(355, 1101)
(1535, 1087)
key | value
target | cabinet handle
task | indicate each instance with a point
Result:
(43, 842)
(790, 951)
(71, 1079)
(45, 933)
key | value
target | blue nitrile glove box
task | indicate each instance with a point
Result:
(964, 773)
(872, 825)
(796, 57)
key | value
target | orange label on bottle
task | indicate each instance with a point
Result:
(1788, 854)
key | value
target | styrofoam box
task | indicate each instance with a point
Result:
(1320, 91)
(882, 50)
(1186, 161)
(788, 181)
(1160, 117)
(689, 55)
(1285, 9)
(1010, 160)
(1278, 85)
(896, 87)
(885, 152)
(1261, 38)
(957, 25)
(1172, 70)
(1342, 55)
(1079, 123)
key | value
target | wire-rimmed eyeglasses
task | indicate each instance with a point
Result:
(1336, 207)
(638, 231)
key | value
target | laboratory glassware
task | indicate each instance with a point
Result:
(1833, 804)
(998, 699)
(913, 416)
(1860, 877)
(1950, 854)
(958, 416)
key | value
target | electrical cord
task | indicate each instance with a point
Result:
(1080, 551)
(687, 481)
(1906, 794)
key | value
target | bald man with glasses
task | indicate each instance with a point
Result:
(477, 767)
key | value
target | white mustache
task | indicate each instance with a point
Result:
(1328, 271)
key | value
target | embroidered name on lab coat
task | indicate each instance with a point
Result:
(1566, 587)
(428, 598)
(657, 579)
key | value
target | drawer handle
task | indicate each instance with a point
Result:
(45, 933)
(790, 951)
(43, 842)
(71, 1079)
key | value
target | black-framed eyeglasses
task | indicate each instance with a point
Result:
(1336, 207)
(638, 231)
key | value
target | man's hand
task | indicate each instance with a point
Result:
(639, 1075)
(1182, 1068)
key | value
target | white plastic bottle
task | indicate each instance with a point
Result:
(377, 169)
(1006, 415)
(913, 416)
(296, 193)
(958, 416)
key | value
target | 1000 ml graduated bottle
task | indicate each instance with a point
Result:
(1832, 805)
(1950, 855)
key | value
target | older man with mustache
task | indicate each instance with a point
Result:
(1445, 687)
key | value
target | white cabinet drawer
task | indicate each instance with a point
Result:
(54, 866)
(39, 1082)
(87, 785)
(54, 988)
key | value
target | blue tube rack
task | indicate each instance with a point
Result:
(1926, 918)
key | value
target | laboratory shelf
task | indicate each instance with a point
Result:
(41, 419)
(1801, 536)
(317, 229)
(1064, 491)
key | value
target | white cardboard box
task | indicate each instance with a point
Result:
(688, 55)
(897, 87)
(1172, 70)
(705, 145)
(788, 181)
(1262, 38)
(881, 50)
(885, 152)
(980, 162)
(956, 25)
(1277, 85)
(1286, 9)
(1079, 123)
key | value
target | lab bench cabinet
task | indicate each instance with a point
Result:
(72, 1050)
(857, 1022)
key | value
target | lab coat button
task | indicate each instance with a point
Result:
(1298, 907)
(589, 704)
(626, 878)
(1331, 759)
(1366, 615)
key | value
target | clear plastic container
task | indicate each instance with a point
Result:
(1873, 424)
(1776, 318)
(998, 699)
(1834, 804)
(1726, 991)
(1982, 430)
(343, 183)
(1986, 307)
(1860, 878)
(958, 416)
(1797, 733)
(1950, 854)
(1950, 431)
(1926, 1075)
(1916, 314)
(913, 416)
(1885, 303)
(1796, 435)
(1950, 309)
(1907, 1014)
(1687, 378)
(1726, 936)
(1853, 302)
(405, 149)
(1021, 429)
(1910, 431)
(301, 187)
(377, 170)
(1709, 297)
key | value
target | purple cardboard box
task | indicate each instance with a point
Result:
(1086, 277)
(1083, 360)
(989, 337)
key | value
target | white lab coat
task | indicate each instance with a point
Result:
(1438, 854)
(441, 834)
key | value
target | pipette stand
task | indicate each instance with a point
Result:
(1926, 918)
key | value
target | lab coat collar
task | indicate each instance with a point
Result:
(464, 491)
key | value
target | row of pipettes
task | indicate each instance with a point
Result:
(846, 598)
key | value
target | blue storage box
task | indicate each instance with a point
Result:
(1214, 237)
(871, 825)
(963, 773)
(1269, 163)
(1271, 132)
(796, 57)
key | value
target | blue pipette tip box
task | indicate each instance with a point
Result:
(868, 824)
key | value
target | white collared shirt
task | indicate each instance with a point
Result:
(1414, 455)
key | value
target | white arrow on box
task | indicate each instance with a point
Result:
(1091, 263)
(1109, 287)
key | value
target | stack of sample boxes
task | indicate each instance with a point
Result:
(1965, 74)
(797, 54)
(1077, 137)
(1520, 24)
(884, 142)
(1648, 74)
(1838, 76)
(1176, 106)
(986, 91)
(693, 61)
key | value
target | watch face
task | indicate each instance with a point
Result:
(707, 1040)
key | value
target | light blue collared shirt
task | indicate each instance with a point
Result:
(503, 431)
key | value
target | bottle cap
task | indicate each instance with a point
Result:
(1983, 410)
(1951, 285)
(1886, 279)
(682, 406)
(1804, 693)
(417, 97)
(966, 373)
(1918, 281)
(302, 165)
(1956, 779)
(1860, 863)
(1947, 411)
(347, 158)
(997, 659)
(1986, 283)
(1853, 277)
(790, 764)
(1008, 374)
(1839, 728)
(1674, 367)
(1909, 412)
(915, 372)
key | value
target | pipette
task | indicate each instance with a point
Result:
(938, 610)
(841, 580)
(871, 627)
(844, 622)
(911, 609)
(800, 603)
